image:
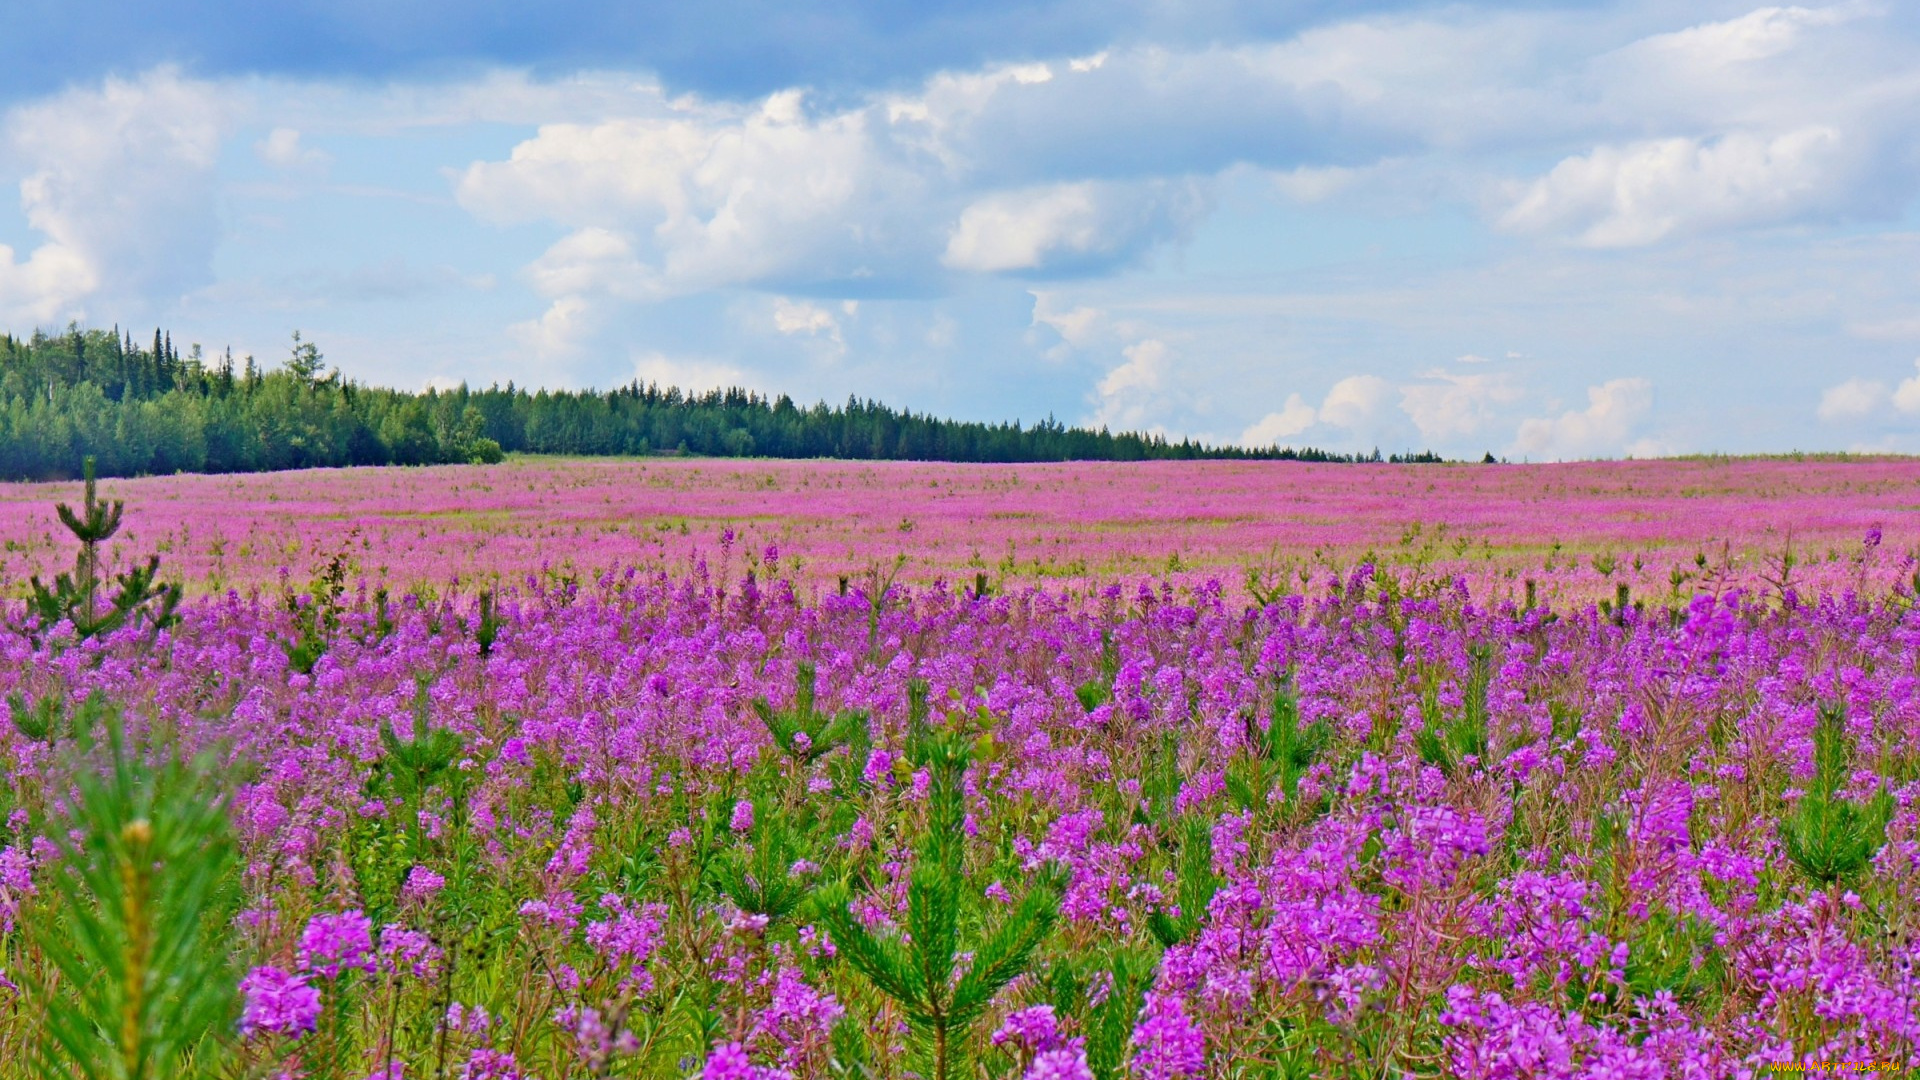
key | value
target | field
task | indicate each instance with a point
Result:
(1578, 530)
(561, 769)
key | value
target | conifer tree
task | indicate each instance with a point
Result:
(75, 597)
(922, 971)
(137, 933)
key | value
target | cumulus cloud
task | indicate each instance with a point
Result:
(1076, 326)
(794, 317)
(1293, 419)
(119, 180)
(1129, 395)
(1448, 405)
(590, 260)
(1615, 413)
(723, 195)
(688, 373)
(1355, 402)
(1851, 399)
(1906, 396)
(1442, 405)
(283, 149)
(1014, 231)
(560, 331)
(1628, 196)
(1076, 165)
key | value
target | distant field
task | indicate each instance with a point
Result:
(1575, 529)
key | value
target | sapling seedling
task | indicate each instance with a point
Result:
(74, 598)
(922, 970)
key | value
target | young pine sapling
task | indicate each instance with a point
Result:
(139, 980)
(1829, 837)
(923, 972)
(75, 598)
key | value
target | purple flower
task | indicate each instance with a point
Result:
(16, 881)
(1063, 1064)
(1032, 1029)
(799, 1018)
(729, 1062)
(278, 1002)
(627, 939)
(491, 1065)
(332, 944)
(742, 817)
(408, 950)
(422, 885)
(1166, 1044)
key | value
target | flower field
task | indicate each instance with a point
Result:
(1577, 530)
(687, 809)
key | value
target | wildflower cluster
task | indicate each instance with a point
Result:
(686, 824)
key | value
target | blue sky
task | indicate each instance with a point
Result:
(1545, 230)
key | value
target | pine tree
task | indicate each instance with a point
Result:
(75, 597)
(923, 973)
(1828, 837)
(138, 931)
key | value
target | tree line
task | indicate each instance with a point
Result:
(147, 409)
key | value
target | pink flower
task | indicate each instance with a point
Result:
(278, 1002)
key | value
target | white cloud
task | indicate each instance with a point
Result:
(1131, 394)
(804, 317)
(1451, 405)
(1628, 196)
(1016, 231)
(47, 287)
(1077, 326)
(690, 374)
(1615, 411)
(590, 260)
(1852, 399)
(560, 332)
(1758, 35)
(1029, 229)
(1355, 402)
(1906, 396)
(723, 195)
(119, 180)
(1270, 430)
(283, 149)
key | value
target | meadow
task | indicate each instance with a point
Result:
(1578, 530)
(557, 769)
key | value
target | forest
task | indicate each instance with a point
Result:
(145, 409)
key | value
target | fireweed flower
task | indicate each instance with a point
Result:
(1064, 1064)
(729, 1061)
(422, 885)
(1543, 873)
(799, 1019)
(332, 944)
(16, 882)
(1167, 1045)
(277, 1002)
(626, 940)
(595, 1044)
(742, 817)
(1032, 1029)
(486, 1064)
(410, 951)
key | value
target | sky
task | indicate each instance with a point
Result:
(1543, 230)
